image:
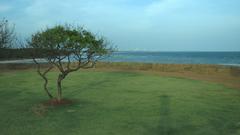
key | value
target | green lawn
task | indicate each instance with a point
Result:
(118, 103)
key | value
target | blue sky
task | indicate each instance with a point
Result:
(147, 25)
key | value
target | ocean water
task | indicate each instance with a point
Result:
(220, 58)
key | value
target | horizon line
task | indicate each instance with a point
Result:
(171, 51)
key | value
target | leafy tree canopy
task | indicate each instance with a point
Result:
(68, 48)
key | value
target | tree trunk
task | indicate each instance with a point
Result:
(46, 89)
(43, 75)
(59, 86)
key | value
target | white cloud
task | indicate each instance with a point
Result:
(141, 23)
(5, 8)
(96, 14)
(163, 6)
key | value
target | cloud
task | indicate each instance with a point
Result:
(104, 14)
(5, 8)
(163, 6)
(132, 23)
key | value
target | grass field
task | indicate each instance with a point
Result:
(118, 103)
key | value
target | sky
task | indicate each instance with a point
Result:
(137, 25)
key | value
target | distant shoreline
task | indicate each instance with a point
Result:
(30, 61)
(183, 51)
(226, 58)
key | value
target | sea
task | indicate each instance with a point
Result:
(216, 58)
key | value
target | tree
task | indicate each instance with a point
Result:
(67, 48)
(7, 35)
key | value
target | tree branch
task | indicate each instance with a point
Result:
(43, 75)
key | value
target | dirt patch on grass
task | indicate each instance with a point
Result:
(39, 110)
(55, 102)
(226, 79)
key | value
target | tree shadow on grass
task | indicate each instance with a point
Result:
(164, 127)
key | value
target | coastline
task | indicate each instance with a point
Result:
(29, 61)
